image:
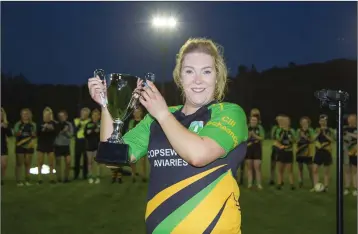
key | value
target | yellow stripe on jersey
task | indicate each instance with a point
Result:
(230, 219)
(162, 196)
(207, 209)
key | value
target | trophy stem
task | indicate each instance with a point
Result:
(116, 136)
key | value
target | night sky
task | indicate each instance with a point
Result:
(63, 42)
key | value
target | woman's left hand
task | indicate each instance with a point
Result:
(154, 102)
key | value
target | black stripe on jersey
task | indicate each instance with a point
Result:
(210, 228)
(175, 201)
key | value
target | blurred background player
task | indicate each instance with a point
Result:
(46, 135)
(254, 152)
(304, 154)
(80, 143)
(5, 133)
(274, 151)
(137, 117)
(285, 139)
(62, 146)
(350, 154)
(323, 141)
(254, 112)
(25, 132)
(92, 130)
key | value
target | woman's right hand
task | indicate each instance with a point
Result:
(96, 87)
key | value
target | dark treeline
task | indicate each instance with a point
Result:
(289, 90)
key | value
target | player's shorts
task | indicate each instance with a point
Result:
(322, 157)
(254, 152)
(274, 154)
(353, 160)
(45, 148)
(21, 150)
(285, 157)
(62, 150)
(4, 150)
(304, 159)
(91, 146)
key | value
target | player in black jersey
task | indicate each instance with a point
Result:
(285, 138)
(46, 135)
(274, 150)
(350, 154)
(25, 132)
(254, 151)
(323, 141)
(304, 154)
(91, 132)
(5, 133)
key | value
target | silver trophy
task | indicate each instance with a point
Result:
(121, 100)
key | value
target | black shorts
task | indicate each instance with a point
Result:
(63, 150)
(274, 154)
(304, 159)
(285, 157)
(21, 150)
(353, 160)
(43, 148)
(91, 146)
(322, 157)
(254, 152)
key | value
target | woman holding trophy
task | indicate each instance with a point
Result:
(194, 149)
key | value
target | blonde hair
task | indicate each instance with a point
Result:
(206, 46)
(49, 110)
(29, 111)
(4, 116)
(86, 109)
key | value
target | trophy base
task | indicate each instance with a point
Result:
(113, 155)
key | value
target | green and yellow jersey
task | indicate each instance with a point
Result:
(322, 142)
(80, 126)
(180, 194)
(304, 140)
(350, 143)
(25, 134)
(259, 131)
(285, 138)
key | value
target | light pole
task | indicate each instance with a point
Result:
(164, 24)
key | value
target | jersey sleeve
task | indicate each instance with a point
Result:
(138, 138)
(17, 128)
(227, 126)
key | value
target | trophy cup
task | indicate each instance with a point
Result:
(120, 101)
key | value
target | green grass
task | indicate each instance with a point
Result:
(79, 207)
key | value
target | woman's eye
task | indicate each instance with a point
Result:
(188, 71)
(207, 72)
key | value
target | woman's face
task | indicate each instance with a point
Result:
(25, 115)
(84, 114)
(304, 123)
(62, 116)
(198, 76)
(323, 123)
(47, 116)
(138, 113)
(253, 121)
(95, 116)
(352, 120)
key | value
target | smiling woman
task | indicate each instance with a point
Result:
(194, 149)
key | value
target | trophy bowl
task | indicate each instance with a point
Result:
(121, 101)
